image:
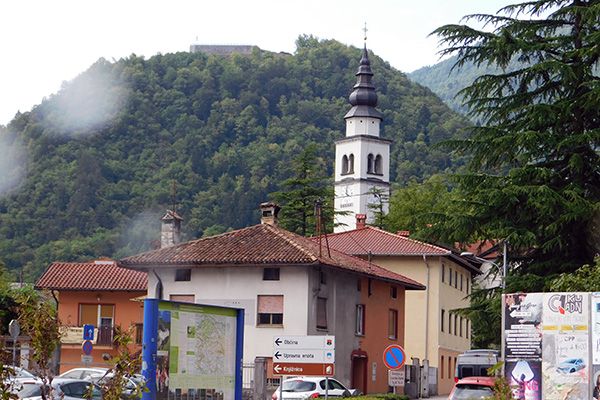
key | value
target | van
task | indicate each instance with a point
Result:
(475, 363)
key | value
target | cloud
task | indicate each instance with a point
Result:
(13, 163)
(88, 103)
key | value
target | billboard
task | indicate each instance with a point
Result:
(192, 351)
(522, 326)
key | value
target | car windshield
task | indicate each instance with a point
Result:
(571, 361)
(298, 386)
(472, 392)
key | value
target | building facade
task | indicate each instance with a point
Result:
(289, 285)
(434, 331)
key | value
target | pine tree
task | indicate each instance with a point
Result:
(534, 175)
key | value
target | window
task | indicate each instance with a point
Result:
(461, 282)
(442, 367)
(442, 319)
(450, 277)
(393, 292)
(322, 278)
(351, 164)
(443, 273)
(393, 324)
(377, 168)
(370, 283)
(358, 284)
(321, 313)
(101, 316)
(450, 323)
(270, 310)
(467, 328)
(360, 319)
(467, 286)
(183, 275)
(270, 274)
(344, 165)
(455, 279)
(460, 327)
(455, 324)
(139, 333)
(370, 163)
(449, 366)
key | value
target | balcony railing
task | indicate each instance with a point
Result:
(105, 335)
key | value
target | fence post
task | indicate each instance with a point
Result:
(260, 378)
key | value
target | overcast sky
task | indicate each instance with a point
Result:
(47, 42)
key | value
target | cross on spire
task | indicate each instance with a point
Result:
(365, 31)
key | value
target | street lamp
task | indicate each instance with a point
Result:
(504, 262)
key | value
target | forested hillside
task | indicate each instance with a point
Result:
(99, 158)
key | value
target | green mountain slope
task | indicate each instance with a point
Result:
(101, 155)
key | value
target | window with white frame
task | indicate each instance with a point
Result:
(360, 319)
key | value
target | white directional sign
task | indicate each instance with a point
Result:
(305, 356)
(304, 342)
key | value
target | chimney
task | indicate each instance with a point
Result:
(170, 231)
(361, 221)
(269, 213)
(403, 233)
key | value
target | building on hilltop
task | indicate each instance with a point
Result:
(222, 49)
(97, 293)
(433, 331)
(288, 285)
(362, 158)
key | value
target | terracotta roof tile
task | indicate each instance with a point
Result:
(382, 243)
(260, 245)
(98, 275)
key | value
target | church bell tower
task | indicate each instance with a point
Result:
(362, 158)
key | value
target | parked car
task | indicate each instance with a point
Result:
(67, 389)
(473, 388)
(83, 373)
(571, 365)
(28, 389)
(311, 388)
(21, 373)
(132, 387)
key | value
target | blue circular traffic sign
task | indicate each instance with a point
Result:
(87, 347)
(394, 356)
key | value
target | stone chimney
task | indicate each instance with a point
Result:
(269, 213)
(170, 230)
(361, 221)
(403, 233)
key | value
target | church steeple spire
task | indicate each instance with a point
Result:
(363, 97)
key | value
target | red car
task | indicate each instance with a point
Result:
(473, 388)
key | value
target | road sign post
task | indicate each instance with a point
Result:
(14, 329)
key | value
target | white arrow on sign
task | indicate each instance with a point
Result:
(277, 368)
(304, 342)
(304, 356)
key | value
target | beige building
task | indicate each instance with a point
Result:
(432, 330)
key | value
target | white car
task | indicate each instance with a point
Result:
(311, 388)
(83, 373)
(63, 389)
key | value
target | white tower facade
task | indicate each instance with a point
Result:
(362, 158)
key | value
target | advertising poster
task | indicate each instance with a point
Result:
(596, 382)
(522, 326)
(196, 352)
(525, 378)
(565, 363)
(595, 328)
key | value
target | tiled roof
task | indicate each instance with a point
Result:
(260, 245)
(379, 242)
(98, 275)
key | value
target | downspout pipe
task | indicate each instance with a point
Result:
(426, 310)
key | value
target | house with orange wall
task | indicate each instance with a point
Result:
(98, 293)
